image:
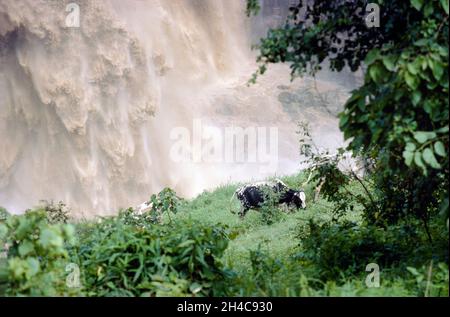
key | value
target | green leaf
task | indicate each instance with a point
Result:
(50, 238)
(26, 248)
(439, 148)
(428, 9)
(436, 68)
(408, 156)
(430, 159)
(22, 230)
(377, 73)
(443, 130)
(389, 62)
(417, 4)
(195, 288)
(343, 121)
(413, 270)
(411, 147)
(372, 56)
(421, 42)
(362, 104)
(416, 97)
(413, 68)
(424, 136)
(34, 267)
(418, 161)
(444, 4)
(411, 80)
(186, 243)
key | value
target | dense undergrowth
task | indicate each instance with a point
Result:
(199, 248)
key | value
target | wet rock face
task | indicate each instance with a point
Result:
(305, 101)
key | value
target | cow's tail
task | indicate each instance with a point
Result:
(231, 209)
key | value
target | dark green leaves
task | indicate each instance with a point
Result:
(411, 80)
(372, 56)
(378, 72)
(390, 62)
(416, 97)
(444, 4)
(437, 68)
(417, 4)
(425, 154)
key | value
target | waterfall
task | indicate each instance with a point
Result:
(87, 112)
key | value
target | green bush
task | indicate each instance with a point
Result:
(36, 256)
(431, 280)
(180, 259)
(131, 217)
(346, 248)
(166, 202)
(270, 276)
(270, 211)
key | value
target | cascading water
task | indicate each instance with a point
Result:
(88, 113)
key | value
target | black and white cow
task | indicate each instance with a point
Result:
(253, 196)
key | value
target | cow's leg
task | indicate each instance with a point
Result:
(286, 207)
(243, 211)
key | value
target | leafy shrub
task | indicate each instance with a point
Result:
(180, 259)
(263, 266)
(272, 276)
(337, 248)
(131, 217)
(336, 184)
(269, 209)
(432, 280)
(36, 255)
(399, 116)
(166, 202)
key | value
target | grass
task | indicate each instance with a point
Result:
(282, 241)
(278, 239)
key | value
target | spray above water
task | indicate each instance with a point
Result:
(87, 110)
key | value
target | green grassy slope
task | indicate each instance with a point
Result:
(280, 241)
(271, 252)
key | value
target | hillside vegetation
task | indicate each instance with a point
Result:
(199, 248)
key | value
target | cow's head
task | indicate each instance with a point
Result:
(299, 199)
